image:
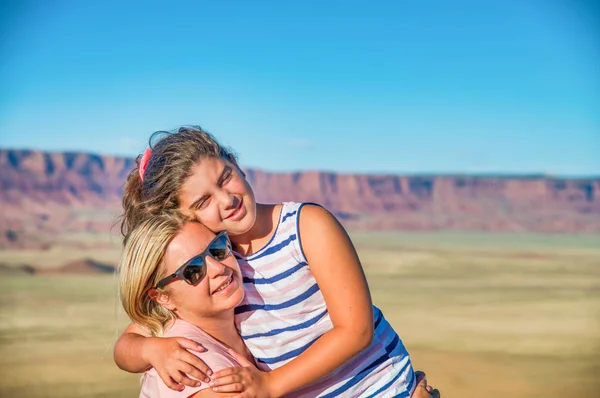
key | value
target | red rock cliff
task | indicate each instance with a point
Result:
(48, 192)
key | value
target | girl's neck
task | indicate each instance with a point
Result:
(267, 218)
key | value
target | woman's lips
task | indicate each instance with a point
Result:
(227, 287)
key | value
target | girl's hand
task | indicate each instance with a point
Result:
(423, 390)
(245, 379)
(174, 363)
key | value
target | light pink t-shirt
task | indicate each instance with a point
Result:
(216, 357)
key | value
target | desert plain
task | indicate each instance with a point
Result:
(484, 314)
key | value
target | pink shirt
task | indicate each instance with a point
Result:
(216, 357)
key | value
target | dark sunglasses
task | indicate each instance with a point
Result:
(195, 268)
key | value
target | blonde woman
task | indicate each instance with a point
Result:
(178, 279)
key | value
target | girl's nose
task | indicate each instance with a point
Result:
(227, 200)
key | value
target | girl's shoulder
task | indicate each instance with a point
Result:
(304, 215)
(312, 215)
(318, 227)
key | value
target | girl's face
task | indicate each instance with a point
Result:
(218, 196)
(219, 290)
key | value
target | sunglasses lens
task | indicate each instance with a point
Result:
(194, 273)
(220, 248)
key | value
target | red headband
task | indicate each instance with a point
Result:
(144, 163)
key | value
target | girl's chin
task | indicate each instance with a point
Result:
(235, 230)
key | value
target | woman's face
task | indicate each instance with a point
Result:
(221, 288)
(218, 196)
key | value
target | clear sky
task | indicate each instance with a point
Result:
(400, 86)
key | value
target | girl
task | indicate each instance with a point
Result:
(307, 316)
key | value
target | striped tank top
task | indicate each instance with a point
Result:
(284, 312)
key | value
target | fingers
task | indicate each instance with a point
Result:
(177, 366)
(227, 372)
(194, 366)
(169, 382)
(235, 387)
(421, 378)
(190, 344)
(240, 358)
(182, 374)
(185, 380)
(228, 380)
(225, 380)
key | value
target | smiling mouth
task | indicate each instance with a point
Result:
(237, 211)
(225, 285)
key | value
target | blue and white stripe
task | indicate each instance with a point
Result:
(284, 313)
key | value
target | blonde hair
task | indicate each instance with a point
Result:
(140, 270)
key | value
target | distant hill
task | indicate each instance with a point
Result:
(44, 194)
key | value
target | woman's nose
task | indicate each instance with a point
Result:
(214, 267)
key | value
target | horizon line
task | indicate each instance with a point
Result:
(447, 174)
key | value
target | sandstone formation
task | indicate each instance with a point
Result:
(44, 195)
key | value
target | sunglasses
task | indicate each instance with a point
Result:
(195, 268)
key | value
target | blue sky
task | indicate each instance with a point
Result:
(398, 86)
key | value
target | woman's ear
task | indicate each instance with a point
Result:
(161, 298)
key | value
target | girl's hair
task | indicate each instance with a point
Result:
(173, 156)
(140, 270)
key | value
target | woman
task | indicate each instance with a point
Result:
(177, 278)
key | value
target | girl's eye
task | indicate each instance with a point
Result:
(202, 204)
(227, 178)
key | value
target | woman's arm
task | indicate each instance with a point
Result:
(337, 270)
(135, 352)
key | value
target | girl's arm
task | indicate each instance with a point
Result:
(208, 393)
(337, 270)
(135, 352)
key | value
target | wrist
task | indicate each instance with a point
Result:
(146, 350)
(274, 388)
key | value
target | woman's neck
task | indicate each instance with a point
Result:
(221, 328)
(267, 218)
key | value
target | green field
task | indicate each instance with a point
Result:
(486, 315)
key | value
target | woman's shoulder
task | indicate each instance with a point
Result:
(216, 356)
(181, 328)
